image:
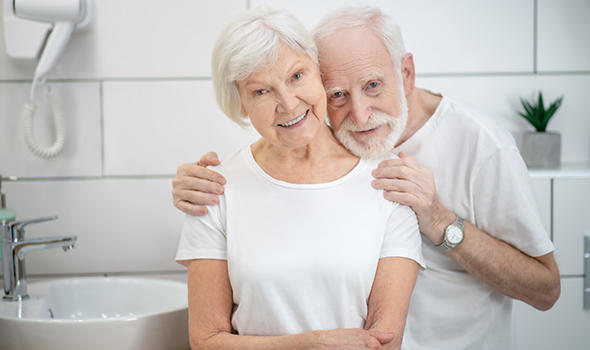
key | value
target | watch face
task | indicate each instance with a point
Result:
(454, 235)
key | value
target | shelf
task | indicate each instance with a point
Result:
(565, 171)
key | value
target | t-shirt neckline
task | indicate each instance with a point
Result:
(359, 167)
(426, 129)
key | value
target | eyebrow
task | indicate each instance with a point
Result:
(333, 89)
(372, 76)
(297, 62)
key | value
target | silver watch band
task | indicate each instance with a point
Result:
(446, 245)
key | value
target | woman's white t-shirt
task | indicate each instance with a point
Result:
(300, 257)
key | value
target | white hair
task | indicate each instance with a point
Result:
(372, 18)
(249, 42)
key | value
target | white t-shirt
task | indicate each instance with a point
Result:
(300, 257)
(480, 175)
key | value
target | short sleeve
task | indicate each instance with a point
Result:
(504, 203)
(203, 237)
(402, 236)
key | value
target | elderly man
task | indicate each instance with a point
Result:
(482, 238)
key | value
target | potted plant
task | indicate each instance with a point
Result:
(541, 149)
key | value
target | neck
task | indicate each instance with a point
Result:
(421, 106)
(323, 159)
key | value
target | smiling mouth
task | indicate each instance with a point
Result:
(294, 121)
(368, 131)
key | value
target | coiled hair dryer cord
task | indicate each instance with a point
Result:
(28, 113)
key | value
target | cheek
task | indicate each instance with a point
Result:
(336, 117)
(390, 102)
(319, 101)
(261, 116)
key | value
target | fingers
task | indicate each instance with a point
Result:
(397, 171)
(196, 197)
(196, 184)
(404, 155)
(403, 198)
(406, 160)
(383, 338)
(191, 209)
(396, 184)
(198, 171)
(210, 158)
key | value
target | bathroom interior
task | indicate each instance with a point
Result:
(132, 82)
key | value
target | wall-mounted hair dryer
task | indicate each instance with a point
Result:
(42, 28)
(63, 15)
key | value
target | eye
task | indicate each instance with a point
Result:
(260, 92)
(298, 75)
(337, 98)
(373, 84)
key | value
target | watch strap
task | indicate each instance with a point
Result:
(446, 245)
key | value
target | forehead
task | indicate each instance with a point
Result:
(352, 56)
(284, 61)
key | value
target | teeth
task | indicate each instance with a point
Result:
(294, 121)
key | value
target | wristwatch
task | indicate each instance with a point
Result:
(453, 235)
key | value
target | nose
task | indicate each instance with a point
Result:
(360, 109)
(287, 100)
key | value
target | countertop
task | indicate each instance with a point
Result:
(565, 171)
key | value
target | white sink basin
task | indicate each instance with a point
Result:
(97, 313)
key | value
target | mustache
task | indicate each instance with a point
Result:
(375, 119)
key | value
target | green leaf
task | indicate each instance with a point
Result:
(536, 114)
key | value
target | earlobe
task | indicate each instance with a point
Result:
(408, 73)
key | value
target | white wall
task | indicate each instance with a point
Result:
(138, 102)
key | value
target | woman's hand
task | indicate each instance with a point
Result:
(195, 186)
(351, 339)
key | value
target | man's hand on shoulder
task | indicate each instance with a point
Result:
(407, 182)
(194, 186)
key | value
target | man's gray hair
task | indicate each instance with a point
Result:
(248, 43)
(365, 16)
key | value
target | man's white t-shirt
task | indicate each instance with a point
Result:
(480, 175)
(300, 257)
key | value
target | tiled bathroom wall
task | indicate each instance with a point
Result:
(137, 95)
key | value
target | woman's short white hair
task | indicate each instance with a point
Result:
(365, 16)
(248, 43)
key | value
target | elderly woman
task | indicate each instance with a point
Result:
(300, 252)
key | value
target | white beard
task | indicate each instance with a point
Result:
(376, 146)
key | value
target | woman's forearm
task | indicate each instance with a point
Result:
(390, 297)
(229, 341)
(335, 339)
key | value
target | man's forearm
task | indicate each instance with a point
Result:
(507, 269)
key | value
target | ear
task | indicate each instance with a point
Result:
(408, 73)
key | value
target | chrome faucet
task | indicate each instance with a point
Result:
(15, 248)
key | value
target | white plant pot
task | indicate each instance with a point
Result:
(541, 149)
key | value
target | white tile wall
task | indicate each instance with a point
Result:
(152, 127)
(564, 35)
(82, 150)
(138, 102)
(498, 98)
(141, 38)
(457, 36)
(122, 225)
